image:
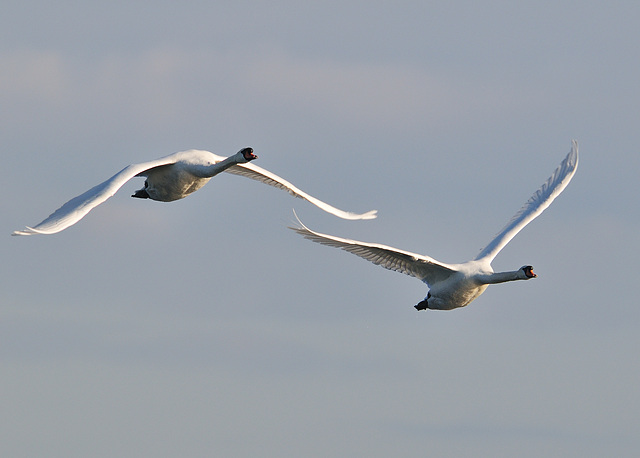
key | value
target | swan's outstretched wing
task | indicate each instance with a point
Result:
(258, 173)
(540, 200)
(422, 267)
(74, 210)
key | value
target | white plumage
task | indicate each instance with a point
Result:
(456, 285)
(171, 178)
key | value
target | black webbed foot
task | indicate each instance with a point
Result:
(422, 305)
(141, 194)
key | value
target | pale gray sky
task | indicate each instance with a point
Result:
(204, 327)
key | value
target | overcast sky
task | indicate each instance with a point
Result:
(204, 327)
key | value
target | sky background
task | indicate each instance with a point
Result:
(204, 327)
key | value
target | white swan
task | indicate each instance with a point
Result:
(171, 178)
(456, 285)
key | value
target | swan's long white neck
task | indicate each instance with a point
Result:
(501, 277)
(221, 166)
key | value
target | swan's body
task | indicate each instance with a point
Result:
(171, 178)
(456, 285)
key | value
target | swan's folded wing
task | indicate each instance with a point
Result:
(74, 210)
(422, 267)
(540, 200)
(258, 173)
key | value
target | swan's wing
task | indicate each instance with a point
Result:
(540, 200)
(74, 210)
(258, 173)
(422, 267)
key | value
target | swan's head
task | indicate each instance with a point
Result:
(527, 271)
(247, 155)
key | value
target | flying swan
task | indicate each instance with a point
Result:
(171, 178)
(456, 285)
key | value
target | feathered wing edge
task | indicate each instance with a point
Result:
(540, 200)
(259, 174)
(75, 209)
(422, 267)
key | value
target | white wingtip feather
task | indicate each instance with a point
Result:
(28, 231)
(373, 214)
(301, 225)
(537, 203)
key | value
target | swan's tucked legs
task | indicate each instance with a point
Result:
(142, 193)
(423, 305)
